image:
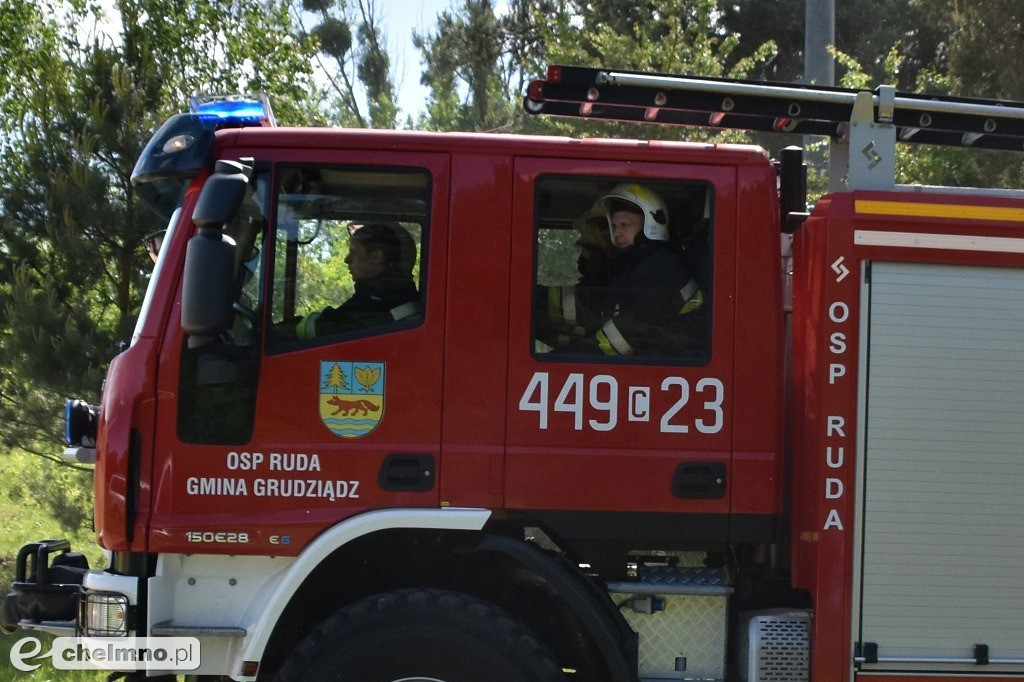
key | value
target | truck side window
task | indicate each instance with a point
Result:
(348, 250)
(623, 270)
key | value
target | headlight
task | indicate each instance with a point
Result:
(104, 614)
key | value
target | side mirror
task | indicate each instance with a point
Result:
(206, 295)
(222, 195)
(208, 282)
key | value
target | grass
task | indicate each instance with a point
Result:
(33, 494)
(46, 672)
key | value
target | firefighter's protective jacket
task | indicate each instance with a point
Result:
(376, 301)
(647, 308)
(648, 304)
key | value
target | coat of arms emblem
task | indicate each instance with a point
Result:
(351, 397)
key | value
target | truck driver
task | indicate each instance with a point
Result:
(381, 258)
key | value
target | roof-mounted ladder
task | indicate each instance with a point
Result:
(863, 126)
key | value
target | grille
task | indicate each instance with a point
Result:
(779, 647)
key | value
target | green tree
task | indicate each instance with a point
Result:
(668, 36)
(356, 67)
(983, 46)
(76, 113)
(866, 30)
(463, 55)
(672, 36)
(477, 63)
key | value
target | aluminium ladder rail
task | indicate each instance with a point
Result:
(772, 107)
(869, 122)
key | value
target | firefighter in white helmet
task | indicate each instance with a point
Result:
(635, 294)
(651, 299)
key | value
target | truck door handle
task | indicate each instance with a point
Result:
(699, 481)
(407, 473)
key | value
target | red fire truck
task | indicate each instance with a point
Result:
(475, 484)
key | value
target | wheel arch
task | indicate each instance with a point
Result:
(542, 589)
(328, 543)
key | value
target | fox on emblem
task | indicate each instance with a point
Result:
(347, 407)
(351, 397)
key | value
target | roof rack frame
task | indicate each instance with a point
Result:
(863, 126)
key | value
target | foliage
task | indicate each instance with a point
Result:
(358, 66)
(865, 30)
(477, 63)
(927, 165)
(29, 517)
(325, 278)
(669, 36)
(77, 110)
(680, 37)
(984, 55)
(466, 48)
(984, 46)
(234, 46)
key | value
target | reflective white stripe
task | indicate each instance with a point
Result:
(306, 328)
(688, 291)
(952, 242)
(616, 339)
(400, 312)
(569, 305)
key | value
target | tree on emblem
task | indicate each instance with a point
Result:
(336, 380)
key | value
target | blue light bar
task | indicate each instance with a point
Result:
(232, 110)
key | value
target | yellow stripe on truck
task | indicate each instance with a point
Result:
(924, 210)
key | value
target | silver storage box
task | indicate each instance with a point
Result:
(687, 639)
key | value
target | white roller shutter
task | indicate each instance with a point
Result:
(942, 568)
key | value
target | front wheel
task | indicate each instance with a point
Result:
(420, 636)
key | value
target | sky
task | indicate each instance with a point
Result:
(400, 18)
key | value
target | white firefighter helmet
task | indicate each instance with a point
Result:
(647, 201)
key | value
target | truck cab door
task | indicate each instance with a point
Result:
(623, 441)
(334, 407)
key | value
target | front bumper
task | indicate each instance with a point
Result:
(45, 592)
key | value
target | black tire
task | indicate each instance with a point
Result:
(426, 634)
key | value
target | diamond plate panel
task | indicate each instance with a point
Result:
(691, 628)
(688, 577)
